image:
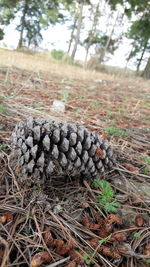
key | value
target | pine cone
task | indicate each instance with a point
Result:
(46, 149)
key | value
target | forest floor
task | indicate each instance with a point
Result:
(75, 228)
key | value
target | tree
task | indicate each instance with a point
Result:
(140, 34)
(146, 72)
(1, 34)
(92, 34)
(74, 14)
(79, 24)
(34, 16)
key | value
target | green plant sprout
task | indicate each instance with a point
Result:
(88, 258)
(112, 130)
(3, 147)
(105, 200)
(105, 240)
(137, 235)
(3, 110)
(64, 96)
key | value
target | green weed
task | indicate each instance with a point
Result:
(88, 258)
(112, 130)
(137, 235)
(147, 160)
(4, 110)
(37, 106)
(95, 104)
(145, 170)
(147, 261)
(105, 240)
(3, 147)
(147, 118)
(64, 96)
(105, 200)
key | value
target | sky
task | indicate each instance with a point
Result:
(55, 37)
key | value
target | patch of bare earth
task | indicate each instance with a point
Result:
(67, 226)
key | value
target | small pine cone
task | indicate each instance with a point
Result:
(46, 149)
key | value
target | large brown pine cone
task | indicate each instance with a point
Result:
(47, 149)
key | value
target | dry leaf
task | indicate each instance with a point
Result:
(119, 237)
(1, 256)
(40, 258)
(99, 219)
(76, 256)
(90, 225)
(107, 251)
(110, 252)
(71, 264)
(147, 249)
(64, 248)
(6, 218)
(84, 205)
(130, 168)
(139, 221)
(113, 218)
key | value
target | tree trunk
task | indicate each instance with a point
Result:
(72, 34)
(141, 58)
(146, 72)
(93, 30)
(77, 38)
(101, 58)
(22, 22)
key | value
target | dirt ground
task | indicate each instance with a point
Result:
(72, 227)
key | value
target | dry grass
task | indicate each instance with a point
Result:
(43, 62)
(118, 106)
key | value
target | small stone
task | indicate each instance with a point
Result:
(58, 106)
